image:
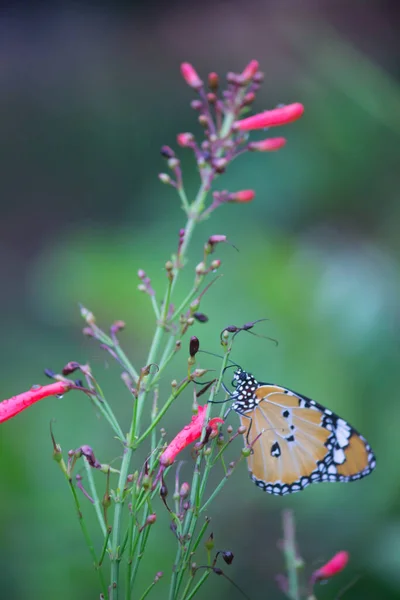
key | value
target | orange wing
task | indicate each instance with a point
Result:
(296, 442)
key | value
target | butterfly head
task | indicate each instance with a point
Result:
(245, 386)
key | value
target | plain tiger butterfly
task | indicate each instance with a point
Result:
(295, 441)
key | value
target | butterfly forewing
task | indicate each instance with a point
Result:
(296, 441)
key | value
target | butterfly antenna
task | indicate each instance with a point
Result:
(265, 337)
(217, 355)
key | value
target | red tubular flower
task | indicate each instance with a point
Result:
(272, 118)
(190, 75)
(268, 145)
(189, 434)
(11, 407)
(332, 567)
(242, 196)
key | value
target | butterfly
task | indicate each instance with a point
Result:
(295, 441)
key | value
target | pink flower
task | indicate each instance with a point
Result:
(189, 434)
(268, 145)
(11, 407)
(242, 196)
(271, 118)
(249, 71)
(332, 567)
(190, 76)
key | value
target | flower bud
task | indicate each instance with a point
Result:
(173, 163)
(248, 99)
(202, 318)
(146, 482)
(332, 567)
(267, 145)
(242, 196)
(167, 152)
(249, 71)
(185, 139)
(70, 368)
(200, 269)
(184, 491)
(196, 104)
(271, 118)
(228, 557)
(190, 76)
(209, 543)
(151, 519)
(213, 81)
(88, 316)
(220, 165)
(165, 178)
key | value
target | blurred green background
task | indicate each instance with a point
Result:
(89, 93)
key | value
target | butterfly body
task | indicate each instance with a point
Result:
(295, 441)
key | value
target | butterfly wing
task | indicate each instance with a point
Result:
(296, 442)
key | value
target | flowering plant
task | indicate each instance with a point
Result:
(127, 508)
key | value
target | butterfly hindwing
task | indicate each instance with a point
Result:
(296, 441)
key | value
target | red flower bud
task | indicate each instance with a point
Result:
(333, 566)
(268, 145)
(213, 81)
(190, 76)
(249, 71)
(184, 139)
(242, 196)
(272, 118)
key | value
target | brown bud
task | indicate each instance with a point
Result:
(228, 557)
(194, 346)
(213, 81)
(201, 317)
(167, 152)
(70, 368)
(163, 491)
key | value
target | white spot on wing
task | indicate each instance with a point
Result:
(339, 456)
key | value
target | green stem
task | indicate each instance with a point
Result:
(217, 490)
(105, 546)
(289, 547)
(93, 493)
(198, 585)
(155, 306)
(162, 412)
(148, 590)
(197, 492)
(87, 537)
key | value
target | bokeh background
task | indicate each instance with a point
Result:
(89, 93)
